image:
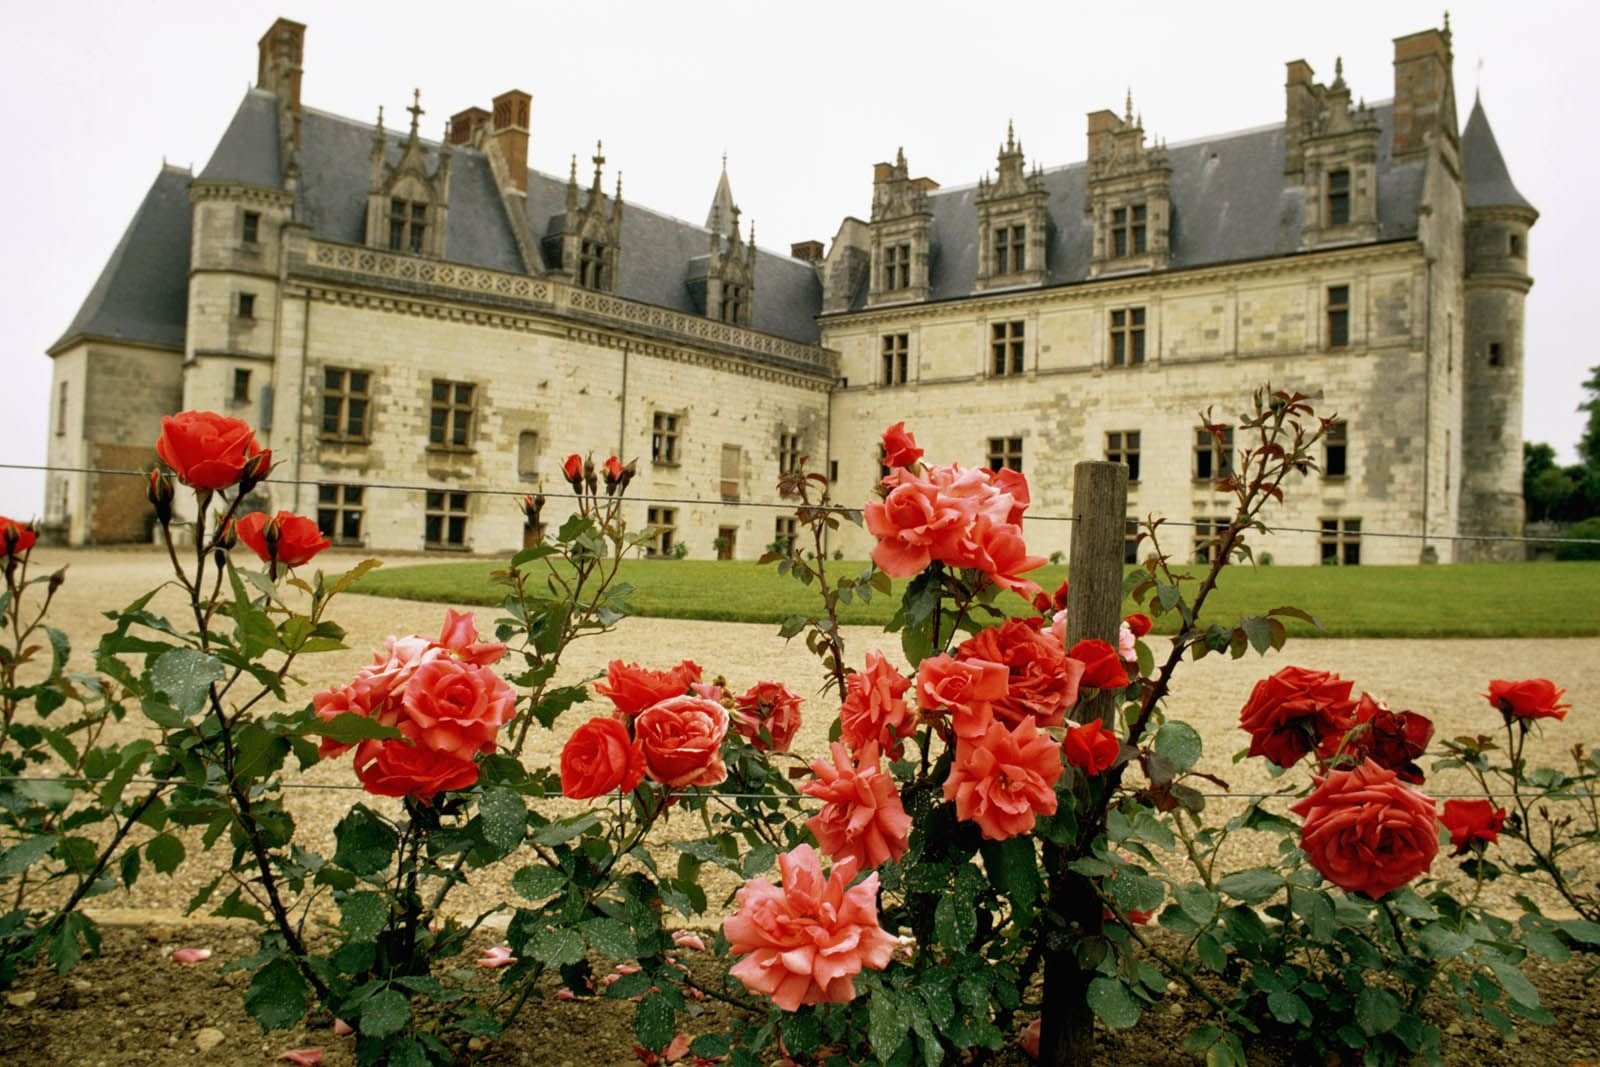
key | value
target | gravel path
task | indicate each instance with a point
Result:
(1441, 678)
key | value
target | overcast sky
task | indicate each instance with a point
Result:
(804, 99)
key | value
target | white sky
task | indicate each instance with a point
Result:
(804, 98)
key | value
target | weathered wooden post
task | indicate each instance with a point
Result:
(1094, 610)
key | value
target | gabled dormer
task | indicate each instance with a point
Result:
(1331, 151)
(407, 203)
(586, 240)
(730, 272)
(1013, 222)
(1129, 195)
(900, 225)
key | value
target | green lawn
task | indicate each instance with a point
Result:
(1461, 600)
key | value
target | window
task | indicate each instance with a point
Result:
(1515, 245)
(450, 416)
(1338, 198)
(591, 265)
(1005, 452)
(896, 358)
(788, 453)
(1338, 316)
(663, 523)
(1341, 541)
(252, 227)
(1122, 446)
(785, 528)
(734, 298)
(408, 224)
(61, 410)
(1130, 541)
(345, 404)
(1006, 347)
(833, 470)
(241, 385)
(247, 305)
(1128, 230)
(1335, 450)
(1213, 459)
(444, 523)
(897, 267)
(528, 455)
(664, 438)
(1494, 353)
(1206, 533)
(339, 513)
(1127, 337)
(731, 456)
(1010, 249)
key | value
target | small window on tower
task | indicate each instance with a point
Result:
(1516, 245)
(247, 305)
(241, 385)
(252, 227)
(1494, 353)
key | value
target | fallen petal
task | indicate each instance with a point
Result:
(684, 939)
(342, 1028)
(676, 1049)
(565, 994)
(190, 955)
(498, 956)
(305, 1057)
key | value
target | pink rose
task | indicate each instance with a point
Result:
(862, 818)
(874, 708)
(682, 740)
(456, 707)
(804, 943)
(770, 708)
(913, 526)
(967, 688)
(460, 635)
(1367, 831)
(1004, 779)
(1041, 684)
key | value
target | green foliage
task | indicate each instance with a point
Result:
(1588, 529)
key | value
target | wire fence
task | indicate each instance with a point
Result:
(788, 506)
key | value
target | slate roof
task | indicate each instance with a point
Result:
(1229, 203)
(1484, 168)
(142, 294)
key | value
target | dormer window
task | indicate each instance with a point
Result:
(408, 225)
(1339, 198)
(1128, 231)
(734, 298)
(897, 267)
(591, 265)
(1010, 249)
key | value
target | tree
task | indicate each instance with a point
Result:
(1589, 443)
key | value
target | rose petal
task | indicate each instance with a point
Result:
(342, 1028)
(497, 956)
(305, 1057)
(685, 939)
(190, 955)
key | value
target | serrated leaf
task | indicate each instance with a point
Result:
(537, 882)
(184, 676)
(1180, 744)
(1251, 886)
(164, 852)
(1197, 902)
(362, 916)
(611, 938)
(384, 1013)
(654, 1021)
(1258, 631)
(25, 854)
(347, 728)
(365, 842)
(564, 830)
(1516, 985)
(276, 999)
(557, 946)
(504, 819)
(1581, 930)
(1442, 943)
(887, 1025)
(1377, 1011)
(1112, 1004)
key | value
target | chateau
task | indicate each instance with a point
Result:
(408, 323)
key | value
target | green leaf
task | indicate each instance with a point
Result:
(384, 1013)
(1197, 902)
(1252, 886)
(611, 938)
(801, 1033)
(887, 1025)
(1014, 869)
(537, 882)
(20, 857)
(362, 916)
(1316, 909)
(1517, 987)
(1209, 950)
(365, 842)
(504, 819)
(1112, 1004)
(1258, 631)
(1377, 1011)
(258, 753)
(129, 867)
(1287, 1008)
(164, 852)
(1581, 930)
(184, 676)
(710, 1046)
(558, 946)
(654, 1021)
(276, 998)
(564, 830)
(347, 728)
(955, 923)
(1442, 943)
(1180, 744)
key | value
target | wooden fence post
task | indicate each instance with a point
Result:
(1094, 610)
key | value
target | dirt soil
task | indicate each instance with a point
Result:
(134, 1006)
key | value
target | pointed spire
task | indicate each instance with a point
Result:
(1338, 73)
(721, 201)
(900, 157)
(380, 119)
(416, 111)
(1127, 106)
(752, 235)
(1011, 137)
(572, 176)
(619, 185)
(599, 160)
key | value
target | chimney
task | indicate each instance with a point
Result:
(1102, 124)
(882, 172)
(1424, 101)
(463, 124)
(510, 126)
(809, 251)
(278, 69)
(1300, 108)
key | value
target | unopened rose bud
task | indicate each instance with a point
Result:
(255, 470)
(12, 537)
(611, 470)
(56, 580)
(627, 473)
(225, 537)
(271, 533)
(160, 492)
(589, 479)
(572, 471)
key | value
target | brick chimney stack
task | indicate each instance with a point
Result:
(463, 124)
(809, 251)
(510, 128)
(278, 69)
(1102, 124)
(1424, 100)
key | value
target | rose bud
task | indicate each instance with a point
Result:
(589, 480)
(160, 492)
(611, 470)
(56, 581)
(532, 504)
(225, 536)
(255, 470)
(628, 471)
(572, 471)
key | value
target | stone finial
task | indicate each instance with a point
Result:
(380, 118)
(416, 110)
(1338, 73)
(1127, 106)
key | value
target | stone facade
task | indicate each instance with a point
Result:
(420, 330)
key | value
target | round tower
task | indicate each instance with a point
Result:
(1495, 292)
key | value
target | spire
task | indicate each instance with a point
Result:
(599, 160)
(1011, 138)
(721, 202)
(380, 120)
(1483, 169)
(416, 111)
(1338, 73)
(1127, 106)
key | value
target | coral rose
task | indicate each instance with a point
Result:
(1294, 712)
(1041, 684)
(600, 757)
(397, 768)
(460, 636)
(913, 526)
(899, 447)
(682, 741)
(1102, 666)
(874, 708)
(862, 818)
(633, 688)
(804, 942)
(1367, 831)
(1005, 779)
(768, 716)
(966, 688)
(1533, 698)
(16, 537)
(284, 538)
(1090, 747)
(456, 707)
(1392, 739)
(1472, 823)
(206, 450)
(998, 550)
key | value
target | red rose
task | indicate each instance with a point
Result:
(899, 447)
(397, 768)
(1367, 831)
(1533, 698)
(633, 688)
(1139, 623)
(1058, 599)
(16, 537)
(598, 758)
(1042, 682)
(1294, 711)
(1472, 823)
(769, 707)
(288, 538)
(1102, 668)
(1392, 739)
(1090, 747)
(682, 741)
(206, 450)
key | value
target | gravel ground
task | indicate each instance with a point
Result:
(1440, 678)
